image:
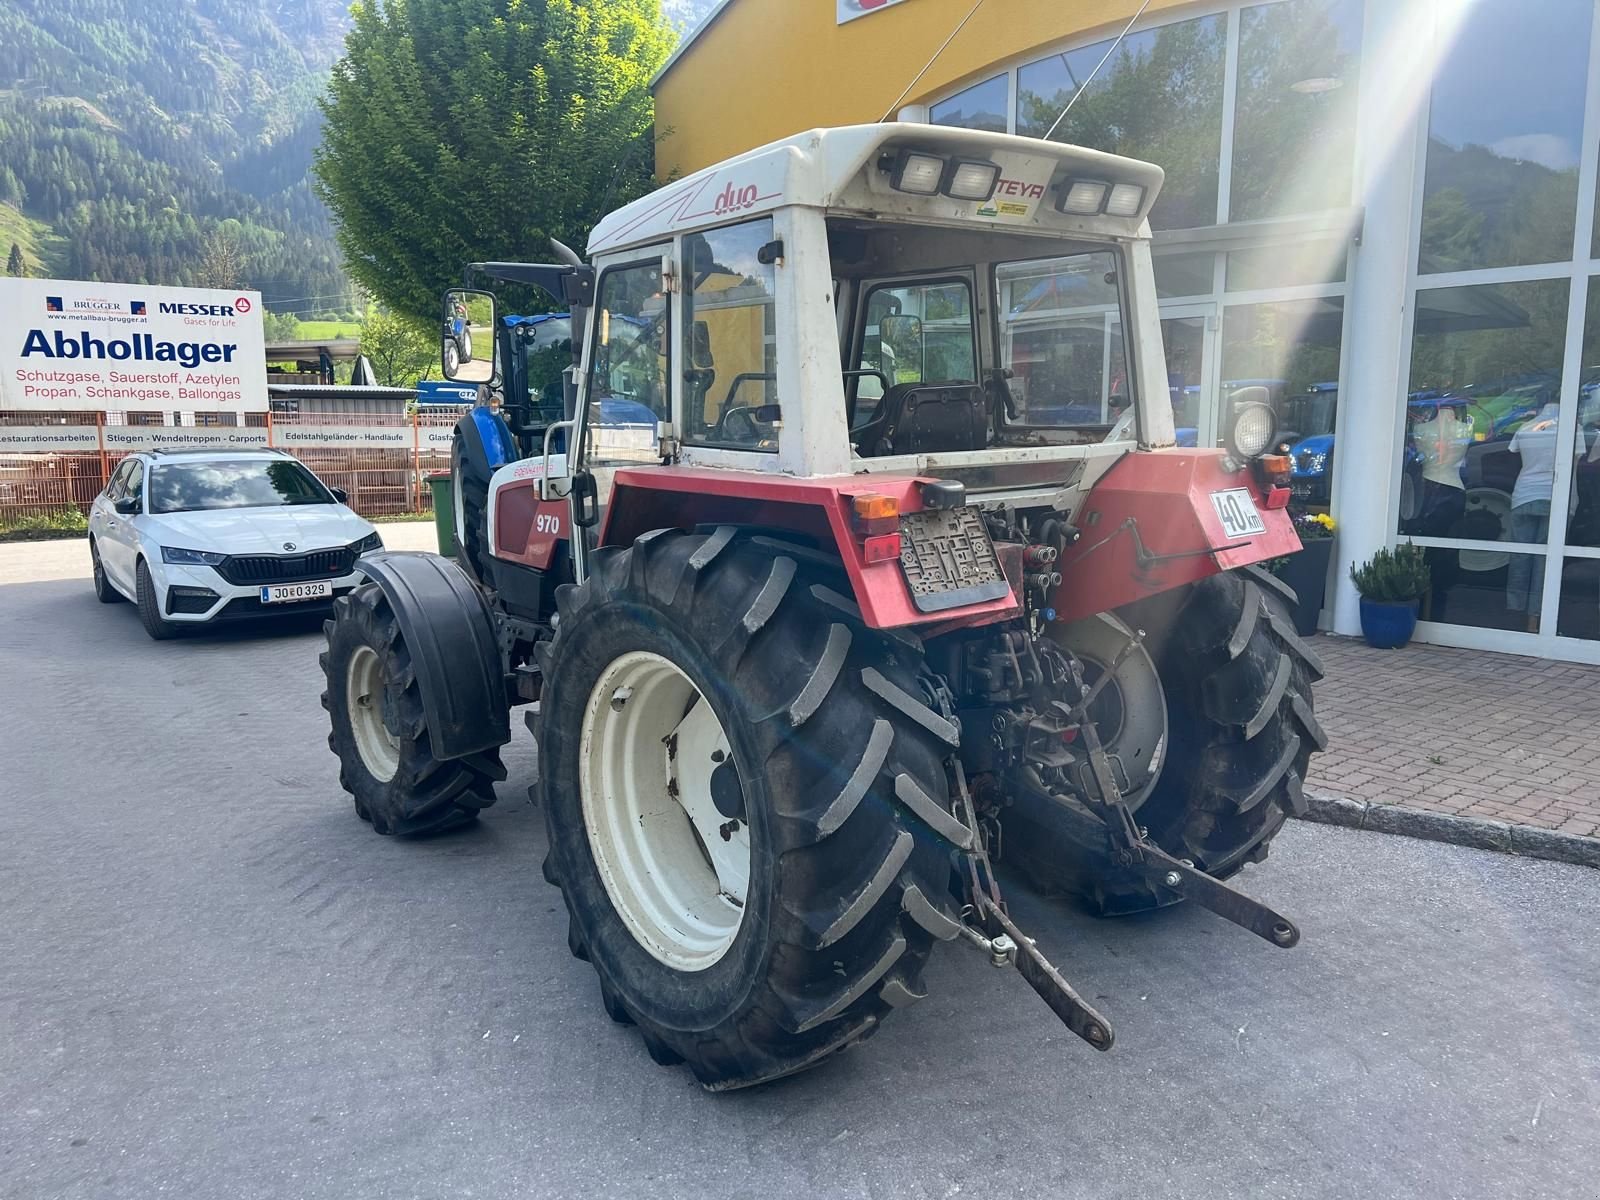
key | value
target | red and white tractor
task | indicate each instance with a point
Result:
(859, 558)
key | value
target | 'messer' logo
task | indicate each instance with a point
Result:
(242, 304)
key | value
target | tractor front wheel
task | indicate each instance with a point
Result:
(746, 797)
(380, 732)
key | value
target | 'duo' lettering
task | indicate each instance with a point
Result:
(732, 198)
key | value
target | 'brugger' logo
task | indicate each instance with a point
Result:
(52, 304)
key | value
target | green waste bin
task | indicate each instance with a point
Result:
(444, 512)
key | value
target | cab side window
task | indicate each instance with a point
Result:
(729, 344)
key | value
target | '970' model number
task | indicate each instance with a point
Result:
(547, 523)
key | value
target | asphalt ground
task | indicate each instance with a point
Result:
(216, 982)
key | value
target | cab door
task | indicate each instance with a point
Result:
(627, 386)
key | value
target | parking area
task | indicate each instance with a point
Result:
(218, 982)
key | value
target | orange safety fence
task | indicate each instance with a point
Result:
(56, 461)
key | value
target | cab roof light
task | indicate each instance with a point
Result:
(970, 179)
(916, 172)
(1082, 197)
(1126, 200)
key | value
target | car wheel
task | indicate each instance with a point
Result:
(150, 607)
(103, 591)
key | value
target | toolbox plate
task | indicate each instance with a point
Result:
(948, 559)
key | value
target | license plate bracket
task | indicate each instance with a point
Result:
(948, 560)
(294, 593)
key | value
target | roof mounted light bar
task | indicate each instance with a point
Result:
(924, 173)
(1091, 197)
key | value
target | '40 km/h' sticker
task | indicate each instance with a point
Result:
(1236, 509)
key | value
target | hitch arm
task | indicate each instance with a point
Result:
(1076, 1013)
(1230, 904)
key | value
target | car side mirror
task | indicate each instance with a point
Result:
(467, 339)
(339, 494)
(127, 506)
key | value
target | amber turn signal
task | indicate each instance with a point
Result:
(872, 507)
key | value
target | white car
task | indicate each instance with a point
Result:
(194, 536)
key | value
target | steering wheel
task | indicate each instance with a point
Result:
(749, 424)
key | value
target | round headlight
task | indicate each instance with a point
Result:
(1254, 427)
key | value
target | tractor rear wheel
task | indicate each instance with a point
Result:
(380, 732)
(747, 803)
(1240, 734)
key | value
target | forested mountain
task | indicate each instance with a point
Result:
(162, 141)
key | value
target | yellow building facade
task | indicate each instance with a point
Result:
(760, 70)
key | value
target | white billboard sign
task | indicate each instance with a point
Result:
(67, 344)
(849, 10)
(322, 437)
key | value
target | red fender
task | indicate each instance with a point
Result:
(820, 509)
(1149, 525)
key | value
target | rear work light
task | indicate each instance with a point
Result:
(1126, 200)
(1082, 197)
(970, 179)
(917, 173)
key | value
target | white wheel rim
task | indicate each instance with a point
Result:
(677, 870)
(379, 749)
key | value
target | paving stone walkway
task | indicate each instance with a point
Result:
(1461, 731)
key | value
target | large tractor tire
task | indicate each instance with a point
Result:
(747, 803)
(1240, 732)
(380, 732)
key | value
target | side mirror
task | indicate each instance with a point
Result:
(900, 331)
(127, 506)
(339, 494)
(467, 342)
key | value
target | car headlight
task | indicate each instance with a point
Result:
(369, 543)
(1254, 428)
(190, 558)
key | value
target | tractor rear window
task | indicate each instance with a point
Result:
(1060, 329)
(730, 383)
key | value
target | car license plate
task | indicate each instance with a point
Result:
(288, 593)
(1236, 509)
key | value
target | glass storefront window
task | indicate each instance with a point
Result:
(1291, 347)
(1159, 97)
(1483, 409)
(1294, 122)
(1184, 274)
(1579, 614)
(1486, 589)
(981, 106)
(1583, 524)
(1299, 264)
(1504, 133)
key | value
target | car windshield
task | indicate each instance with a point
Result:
(242, 483)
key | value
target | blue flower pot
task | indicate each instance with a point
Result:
(1388, 624)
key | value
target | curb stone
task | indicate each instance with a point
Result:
(1525, 840)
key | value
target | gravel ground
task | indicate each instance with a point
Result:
(218, 982)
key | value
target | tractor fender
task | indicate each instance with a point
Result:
(814, 513)
(1149, 525)
(455, 651)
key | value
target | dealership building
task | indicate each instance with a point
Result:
(1384, 211)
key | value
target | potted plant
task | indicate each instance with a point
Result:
(1307, 571)
(1391, 583)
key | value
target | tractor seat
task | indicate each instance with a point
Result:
(925, 418)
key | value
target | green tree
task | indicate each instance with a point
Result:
(280, 327)
(15, 265)
(402, 350)
(465, 130)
